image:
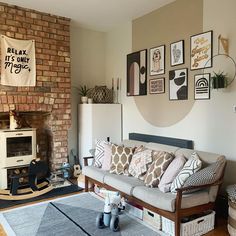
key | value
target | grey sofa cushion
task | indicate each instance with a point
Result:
(94, 173)
(166, 201)
(122, 183)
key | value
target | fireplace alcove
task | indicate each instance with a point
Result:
(41, 122)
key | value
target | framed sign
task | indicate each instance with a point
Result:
(177, 53)
(178, 82)
(157, 86)
(137, 73)
(202, 86)
(201, 50)
(157, 60)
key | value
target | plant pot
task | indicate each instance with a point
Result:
(84, 100)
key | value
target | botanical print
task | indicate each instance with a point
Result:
(201, 51)
(178, 82)
(137, 73)
(157, 60)
(202, 86)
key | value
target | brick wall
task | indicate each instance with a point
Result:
(53, 87)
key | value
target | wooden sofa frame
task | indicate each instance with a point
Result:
(174, 216)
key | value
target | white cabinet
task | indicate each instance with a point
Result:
(98, 121)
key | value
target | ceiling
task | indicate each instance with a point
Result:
(101, 15)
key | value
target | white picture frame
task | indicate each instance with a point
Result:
(177, 53)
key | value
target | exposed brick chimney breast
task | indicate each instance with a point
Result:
(52, 93)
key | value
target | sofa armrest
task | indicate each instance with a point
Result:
(86, 160)
(199, 186)
(181, 190)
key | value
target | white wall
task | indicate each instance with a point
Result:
(211, 124)
(87, 68)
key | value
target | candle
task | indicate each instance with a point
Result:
(117, 83)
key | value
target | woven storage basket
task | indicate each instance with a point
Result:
(152, 218)
(232, 218)
(198, 226)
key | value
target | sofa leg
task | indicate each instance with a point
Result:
(86, 184)
(177, 227)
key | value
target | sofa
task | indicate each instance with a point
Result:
(183, 203)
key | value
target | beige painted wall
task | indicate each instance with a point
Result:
(87, 68)
(220, 119)
(211, 124)
(185, 18)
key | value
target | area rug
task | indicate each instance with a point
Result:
(74, 215)
(60, 191)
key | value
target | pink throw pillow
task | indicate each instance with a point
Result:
(171, 172)
(106, 164)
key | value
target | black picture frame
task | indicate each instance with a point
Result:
(202, 86)
(201, 50)
(177, 53)
(178, 84)
(157, 65)
(137, 65)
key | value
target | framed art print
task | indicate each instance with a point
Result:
(157, 60)
(177, 53)
(178, 84)
(202, 86)
(201, 50)
(137, 73)
(157, 86)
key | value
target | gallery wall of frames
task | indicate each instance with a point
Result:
(153, 62)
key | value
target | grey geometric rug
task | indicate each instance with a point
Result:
(71, 216)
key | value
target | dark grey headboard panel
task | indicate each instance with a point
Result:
(182, 143)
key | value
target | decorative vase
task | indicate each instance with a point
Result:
(13, 124)
(90, 100)
(84, 100)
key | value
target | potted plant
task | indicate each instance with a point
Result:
(219, 80)
(83, 92)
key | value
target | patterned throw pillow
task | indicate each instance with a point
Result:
(208, 175)
(171, 172)
(191, 166)
(161, 161)
(140, 160)
(120, 160)
(99, 152)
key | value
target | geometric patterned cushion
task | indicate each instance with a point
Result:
(208, 175)
(191, 166)
(99, 152)
(140, 160)
(159, 165)
(120, 159)
(171, 172)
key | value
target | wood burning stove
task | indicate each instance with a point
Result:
(18, 148)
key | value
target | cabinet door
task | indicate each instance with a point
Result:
(98, 121)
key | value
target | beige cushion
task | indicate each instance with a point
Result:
(132, 143)
(140, 160)
(122, 183)
(172, 171)
(94, 173)
(161, 161)
(206, 157)
(161, 147)
(121, 157)
(191, 166)
(166, 201)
